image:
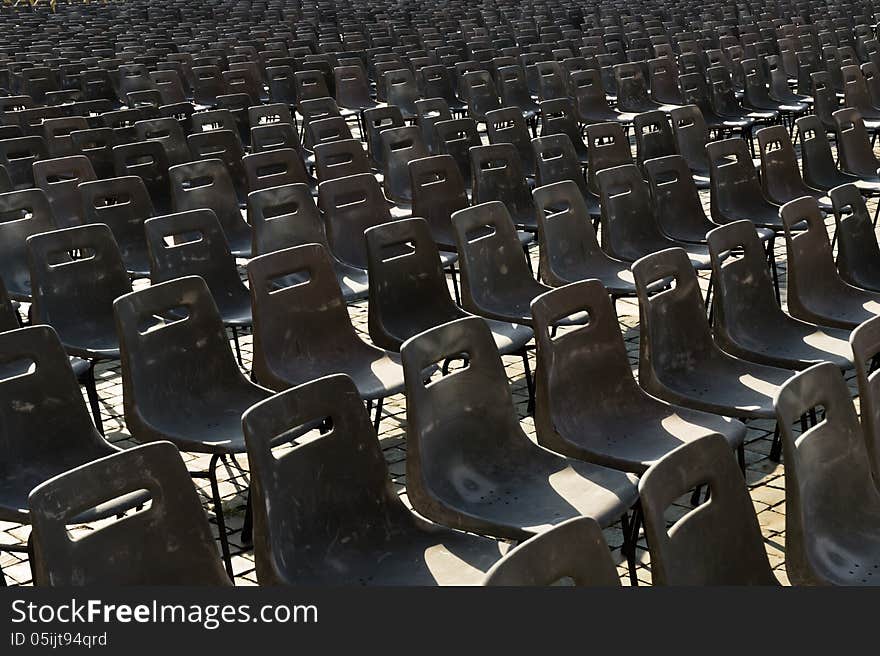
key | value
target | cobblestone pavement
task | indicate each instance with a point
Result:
(766, 479)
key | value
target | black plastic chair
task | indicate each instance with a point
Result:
(507, 125)
(609, 147)
(558, 117)
(736, 193)
(653, 136)
(46, 428)
(273, 168)
(123, 204)
(18, 154)
(480, 94)
(691, 136)
(720, 542)
(302, 331)
(198, 248)
(206, 184)
(456, 138)
(679, 360)
(865, 343)
(498, 175)
(169, 543)
(623, 426)
(469, 463)
(556, 161)
(858, 255)
(59, 178)
(400, 146)
(855, 152)
(816, 292)
(429, 112)
(401, 91)
(819, 168)
(148, 161)
(749, 323)
(780, 177)
(180, 380)
(376, 121)
(286, 216)
(339, 159)
(569, 250)
(408, 290)
(629, 226)
(22, 214)
(574, 549)
(325, 511)
(832, 503)
(166, 131)
(225, 146)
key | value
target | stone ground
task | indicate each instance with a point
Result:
(765, 479)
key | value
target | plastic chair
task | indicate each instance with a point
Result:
(168, 544)
(456, 138)
(463, 427)
(679, 360)
(429, 112)
(339, 159)
(653, 137)
(832, 504)
(325, 511)
(858, 255)
(508, 126)
(558, 117)
(46, 428)
(286, 216)
(514, 91)
(498, 175)
(166, 131)
(123, 204)
(819, 168)
(409, 294)
(18, 155)
(691, 136)
(400, 146)
(780, 176)
(557, 161)
(749, 323)
(569, 250)
(198, 248)
(302, 331)
(22, 214)
(856, 155)
(148, 161)
(736, 193)
(206, 184)
(629, 227)
(180, 380)
(273, 168)
(816, 292)
(865, 345)
(590, 101)
(401, 91)
(623, 427)
(574, 549)
(480, 94)
(224, 145)
(376, 121)
(720, 542)
(59, 179)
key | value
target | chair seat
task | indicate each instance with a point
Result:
(136, 260)
(239, 243)
(423, 555)
(642, 430)
(793, 345)
(376, 373)
(509, 337)
(235, 307)
(724, 385)
(614, 274)
(90, 341)
(849, 557)
(847, 308)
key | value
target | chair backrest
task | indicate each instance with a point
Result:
(828, 477)
(428, 112)
(691, 136)
(780, 175)
(717, 543)
(498, 175)
(629, 228)
(322, 493)
(608, 147)
(507, 125)
(480, 94)
(148, 161)
(166, 131)
(206, 184)
(350, 206)
(654, 136)
(574, 549)
(865, 343)
(400, 146)
(174, 352)
(376, 120)
(734, 184)
(677, 204)
(854, 145)
(22, 214)
(299, 312)
(121, 203)
(556, 160)
(586, 361)
(857, 251)
(273, 168)
(825, 100)
(59, 178)
(408, 290)
(492, 261)
(76, 274)
(558, 117)
(819, 169)
(401, 90)
(675, 333)
(456, 138)
(169, 543)
(284, 216)
(341, 158)
(632, 89)
(18, 155)
(438, 192)
(43, 416)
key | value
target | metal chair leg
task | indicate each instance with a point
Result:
(247, 527)
(92, 393)
(211, 475)
(237, 347)
(776, 447)
(530, 384)
(378, 419)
